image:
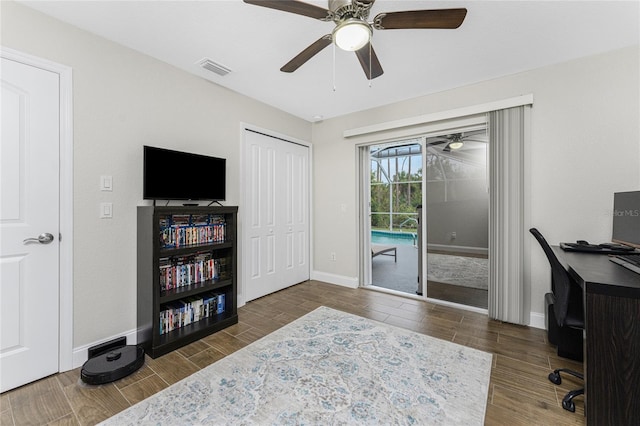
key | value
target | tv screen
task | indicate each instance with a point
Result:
(176, 175)
(626, 218)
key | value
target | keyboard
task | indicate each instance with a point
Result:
(597, 248)
(629, 261)
(631, 258)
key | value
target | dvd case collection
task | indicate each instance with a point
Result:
(187, 311)
(181, 230)
(182, 271)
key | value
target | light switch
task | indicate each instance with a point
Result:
(106, 183)
(106, 210)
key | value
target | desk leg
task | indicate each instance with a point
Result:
(612, 361)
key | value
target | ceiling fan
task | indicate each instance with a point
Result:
(353, 32)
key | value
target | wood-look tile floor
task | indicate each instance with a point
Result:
(519, 392)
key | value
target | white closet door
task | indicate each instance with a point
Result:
(276, 214)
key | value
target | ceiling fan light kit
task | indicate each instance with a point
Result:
(353, 32)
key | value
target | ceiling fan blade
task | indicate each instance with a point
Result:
(438, 142)
(294, 6)
(370, 63)
(307, 54)
(438, 18)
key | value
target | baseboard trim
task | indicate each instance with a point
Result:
(351, 282)
(537, 320)
(458, 249)
(81, 353)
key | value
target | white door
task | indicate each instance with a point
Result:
(276, 214)
(294, 213)
(29, 224)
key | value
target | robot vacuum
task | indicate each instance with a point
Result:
(111, 361)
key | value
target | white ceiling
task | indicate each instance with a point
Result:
(497, 38)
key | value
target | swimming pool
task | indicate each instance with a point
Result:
(391, 238)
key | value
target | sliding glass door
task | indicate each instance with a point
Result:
(457, 217)
(395, 185)
(444, 256)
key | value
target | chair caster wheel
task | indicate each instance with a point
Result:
(569, 406)
(555, 378)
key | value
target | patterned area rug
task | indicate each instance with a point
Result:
(329, 367)
(458, 270)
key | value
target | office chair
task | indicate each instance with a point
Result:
(568, 312)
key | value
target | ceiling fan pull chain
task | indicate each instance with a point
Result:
(370, 65)
(334, 66)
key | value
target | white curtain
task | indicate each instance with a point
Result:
(507, 298)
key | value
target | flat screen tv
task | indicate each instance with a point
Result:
(626, 218)
(176, 175)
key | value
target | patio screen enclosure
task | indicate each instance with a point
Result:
(452, 175)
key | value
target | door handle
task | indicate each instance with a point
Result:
(44, 238)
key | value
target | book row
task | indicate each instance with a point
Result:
(187, 311)
(182, 271)
(187, 230)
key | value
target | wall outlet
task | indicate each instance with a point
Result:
(453, 235)
(332, 256)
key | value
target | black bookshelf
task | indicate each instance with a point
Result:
(153, 299)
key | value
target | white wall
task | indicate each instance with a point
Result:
(585, 146)
(122, 101)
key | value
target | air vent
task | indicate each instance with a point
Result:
(209, 65)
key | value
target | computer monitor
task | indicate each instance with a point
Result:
(626, 218)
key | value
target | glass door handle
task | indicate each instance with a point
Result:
(44, 238)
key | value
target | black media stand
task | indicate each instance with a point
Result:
(187, 280)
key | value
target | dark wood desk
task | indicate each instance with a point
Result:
(612, 347)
